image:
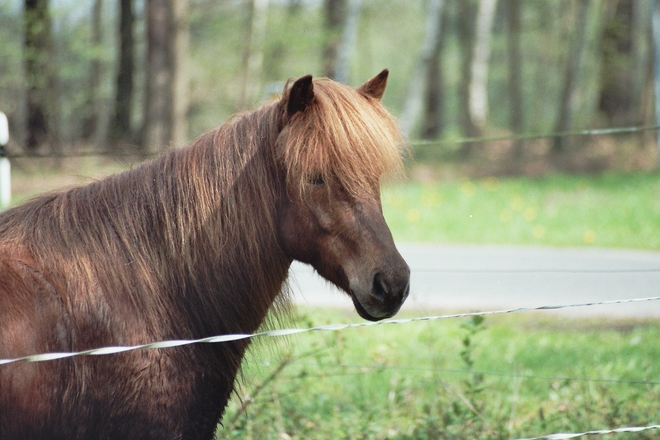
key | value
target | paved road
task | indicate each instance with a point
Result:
(477, 278)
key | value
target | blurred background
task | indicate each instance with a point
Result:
(467, 77)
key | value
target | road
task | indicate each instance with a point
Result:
(478, 278)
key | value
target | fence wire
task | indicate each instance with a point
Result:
(413, 143)
(293, 331)
(562, 436)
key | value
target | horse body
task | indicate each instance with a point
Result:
(196, 243)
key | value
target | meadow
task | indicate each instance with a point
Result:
(608, 210)
(506, 377)
(514, 376)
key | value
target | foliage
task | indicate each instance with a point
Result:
(509, 377)
(391, 34)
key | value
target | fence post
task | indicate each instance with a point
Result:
(5, 168)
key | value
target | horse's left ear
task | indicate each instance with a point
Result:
(375, 87)
(300, 95)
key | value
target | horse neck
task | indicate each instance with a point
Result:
(226, 232)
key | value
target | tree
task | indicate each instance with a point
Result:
(180, 82)
(335, 13)
(166, 82)
(433, 111)
(466, 14)
(571, 70)
(480, 61)
(91, 121)
(616, 98)
(38, 74)
(120, 130)
(424, 68)
(257, 13)
(514, 60)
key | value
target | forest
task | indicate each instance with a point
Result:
(482, 82)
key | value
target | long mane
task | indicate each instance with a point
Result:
(345, 134)
(169, 230)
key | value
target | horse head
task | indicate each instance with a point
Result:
(335, 145)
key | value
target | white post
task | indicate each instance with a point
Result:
(5, 168)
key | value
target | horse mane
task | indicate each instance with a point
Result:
(174, 224)
(343, 134)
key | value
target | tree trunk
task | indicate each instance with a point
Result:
(38, 74)
(90, 122)
(414, 99)
(158, 101)
(334, 18)
(166, 104)
(616, 100)
(180, 83)
(348, 40)
(516, 118)
(433, 117)
(120, 130)
(572, 68)
(480, 60)
(655, 26)
(253, 51)
(466, 44)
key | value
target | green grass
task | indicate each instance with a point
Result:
(508, 377)
(611, 210)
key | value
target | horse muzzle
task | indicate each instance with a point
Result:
(383, 296)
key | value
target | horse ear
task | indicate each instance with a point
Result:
(375, 87)
(300, 95)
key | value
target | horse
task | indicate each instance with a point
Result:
(195, 243)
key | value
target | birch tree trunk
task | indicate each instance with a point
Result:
(253, 51)
(466, 44)
(433, 118)
(516, 118)
(655, 26)
(334, 18)
(348, 41)
(414, 99)
(482, 48)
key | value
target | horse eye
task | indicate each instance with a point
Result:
(317, 180)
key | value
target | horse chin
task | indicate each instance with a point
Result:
(371, 315)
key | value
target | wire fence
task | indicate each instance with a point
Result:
(531, 136)
(136, 152)
(43, 357)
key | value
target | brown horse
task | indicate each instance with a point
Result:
(197, 242)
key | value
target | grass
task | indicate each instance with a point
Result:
(508, 377)
(610, 210)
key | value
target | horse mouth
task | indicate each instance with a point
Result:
(373, 315)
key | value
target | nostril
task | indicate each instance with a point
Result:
(380, 288)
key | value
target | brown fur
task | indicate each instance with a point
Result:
(185, 246)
